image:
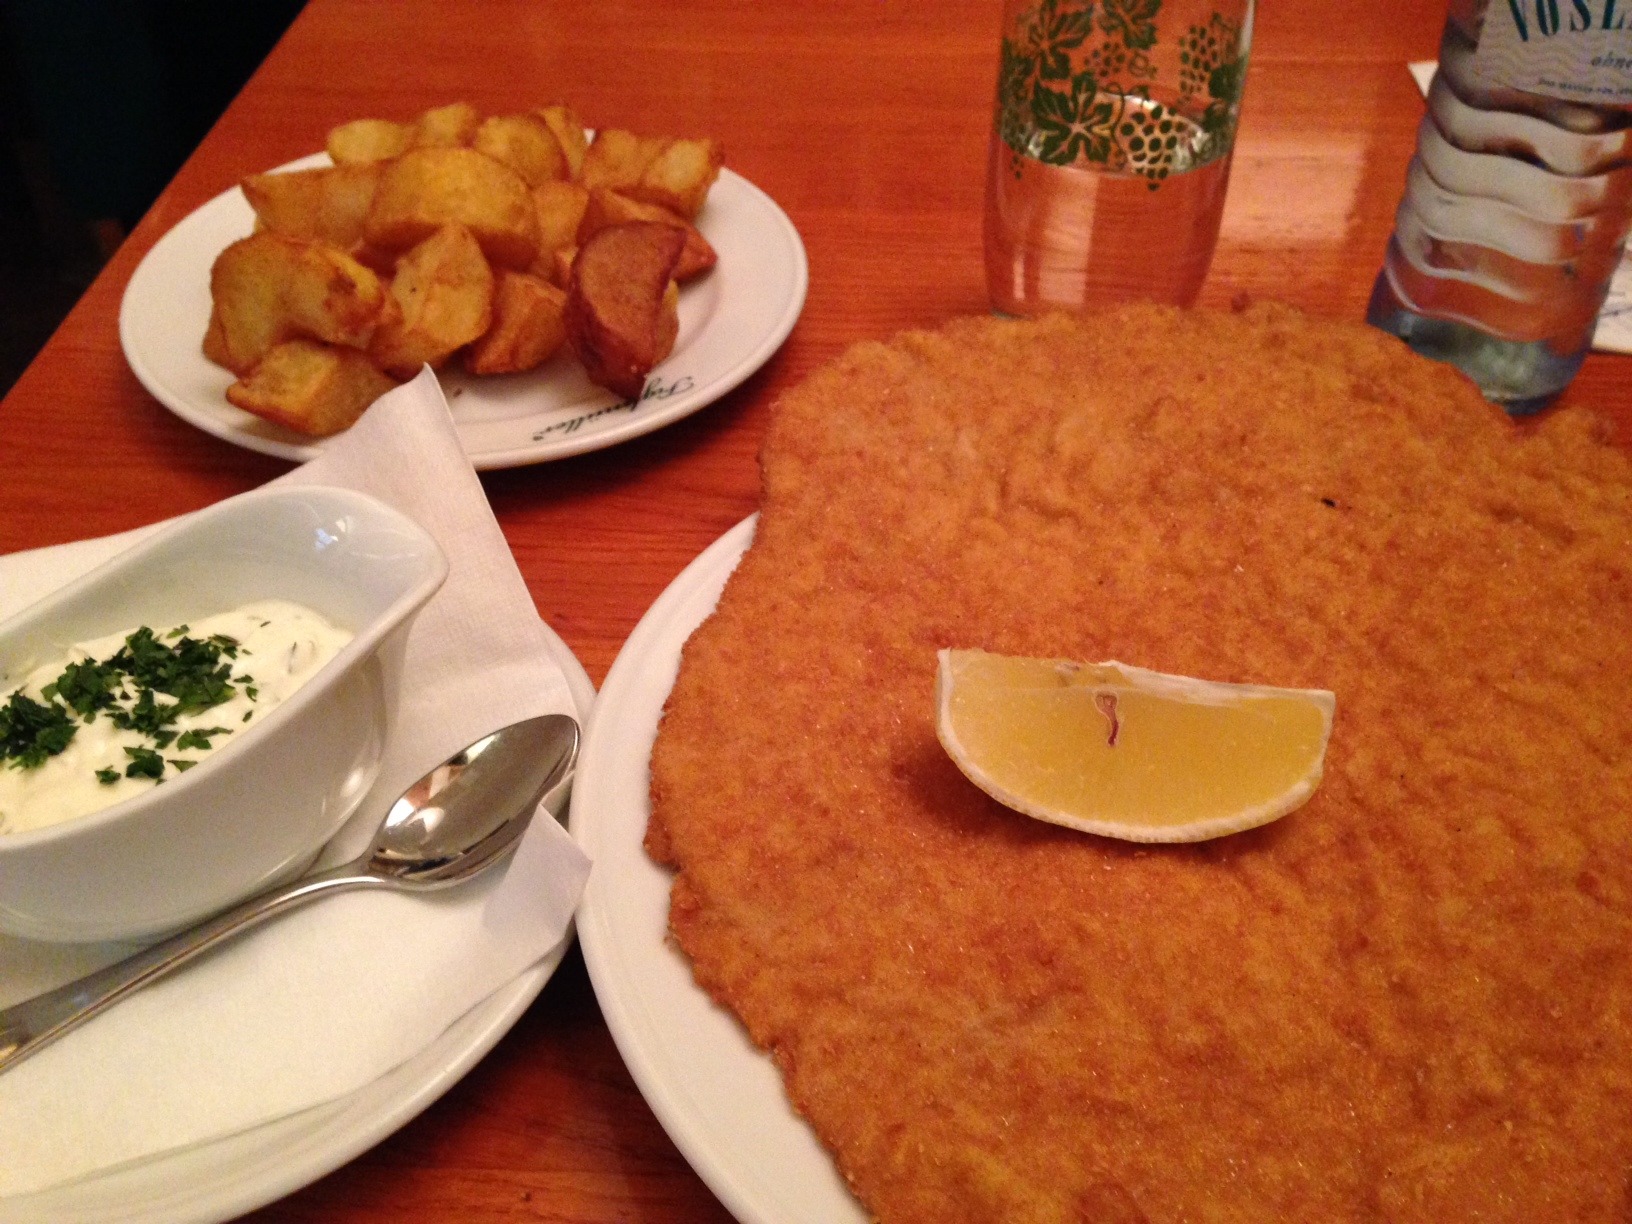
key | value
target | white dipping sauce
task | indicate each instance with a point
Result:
(281, 645)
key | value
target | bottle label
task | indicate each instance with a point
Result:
(1574, 50)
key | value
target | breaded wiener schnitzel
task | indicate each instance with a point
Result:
(1408, 1001)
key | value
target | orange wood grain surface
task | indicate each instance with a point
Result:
(867, 120)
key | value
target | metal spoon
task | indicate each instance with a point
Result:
(484, 798)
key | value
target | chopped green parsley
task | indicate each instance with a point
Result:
(144, 763)
(31, 731)
(145, 686)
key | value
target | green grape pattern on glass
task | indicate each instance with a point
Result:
(1077, 86)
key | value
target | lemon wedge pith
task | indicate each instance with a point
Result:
(1126, 752)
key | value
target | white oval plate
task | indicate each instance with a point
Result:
(731, 320)
(718, 1096)
(223, 1180)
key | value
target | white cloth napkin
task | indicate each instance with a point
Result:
(325, 1000)
(1614, 331)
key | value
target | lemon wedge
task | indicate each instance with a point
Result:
(1130, 753)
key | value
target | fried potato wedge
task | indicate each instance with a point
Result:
(607, 207)
(364, 141)
(311, 387)
(621, 305)
(569, 132)
(561, 206)
(381, 260)
(425, 189)
(680, 176)
(492, 241)
(443, 298)
(326, 204)
(525, 143)
(268, 288)
(561, 270)
(446, 127)
(529, 326)
(215, 340)
(617, 158)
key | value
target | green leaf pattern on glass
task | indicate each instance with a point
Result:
(1073, 123)
(1133, 21)
(1076, 86)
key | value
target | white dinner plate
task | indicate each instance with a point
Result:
(717, 1095)
(231, 1176)
(731, 320)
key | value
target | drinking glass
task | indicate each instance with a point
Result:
(1110, 155)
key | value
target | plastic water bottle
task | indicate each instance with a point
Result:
(1518, 199)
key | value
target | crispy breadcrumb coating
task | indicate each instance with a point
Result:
(1410, 1000)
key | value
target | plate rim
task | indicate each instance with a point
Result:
(612, 731)
(792, 264)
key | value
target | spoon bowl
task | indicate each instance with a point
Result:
(468, 811)
(463, 817)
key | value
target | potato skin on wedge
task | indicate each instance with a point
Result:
(607, 207)
(621, 316)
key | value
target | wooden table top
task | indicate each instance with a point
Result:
(867, 121)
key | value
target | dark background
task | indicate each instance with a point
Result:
(100, 103)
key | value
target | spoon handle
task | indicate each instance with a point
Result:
(35, 1023)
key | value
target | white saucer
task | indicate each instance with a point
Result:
(731, 320)
(224, 1179)
(718, 1096)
